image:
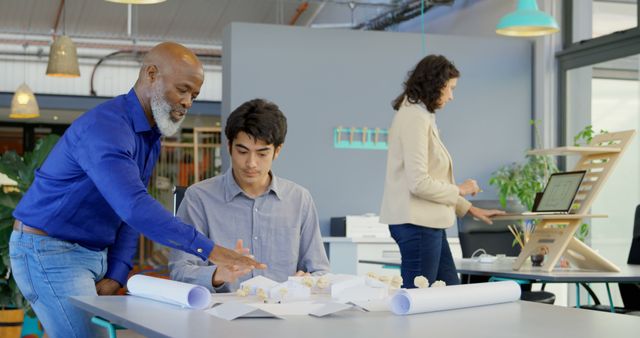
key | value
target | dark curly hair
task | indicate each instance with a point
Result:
(425, 82)
(260, 119)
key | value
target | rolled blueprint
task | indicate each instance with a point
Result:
(169, 291)
(410, 301)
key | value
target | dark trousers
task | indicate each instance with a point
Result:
(425, 252)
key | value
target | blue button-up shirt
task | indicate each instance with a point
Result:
(280, 227)
(91, 190)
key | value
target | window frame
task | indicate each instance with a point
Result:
(584, 53)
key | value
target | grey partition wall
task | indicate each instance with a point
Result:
(322, 79)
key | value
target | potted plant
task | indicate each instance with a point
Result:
(22, 171)
(523, 181)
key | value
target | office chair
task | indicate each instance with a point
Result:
(629, 292)
(493, 239)
(178, 195)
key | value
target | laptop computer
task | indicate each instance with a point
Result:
(558, 195)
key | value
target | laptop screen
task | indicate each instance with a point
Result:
(560, 191)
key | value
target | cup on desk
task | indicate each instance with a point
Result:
(537, 259)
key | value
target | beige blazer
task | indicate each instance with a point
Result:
(419, 186)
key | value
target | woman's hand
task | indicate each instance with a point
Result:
(484, 214)
(469, 187)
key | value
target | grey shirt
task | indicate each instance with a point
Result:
(280, 227)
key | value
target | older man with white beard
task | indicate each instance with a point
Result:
(77, 227)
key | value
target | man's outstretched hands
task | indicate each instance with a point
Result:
(232, 263)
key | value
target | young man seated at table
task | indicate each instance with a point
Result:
(275, 218)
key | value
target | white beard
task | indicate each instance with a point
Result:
(161, 110)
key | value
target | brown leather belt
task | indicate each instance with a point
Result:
(21, 227)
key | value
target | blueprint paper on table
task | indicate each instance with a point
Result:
(362, 289)
(231, 308)
(169, 291)
(410, 301)
(378, 305)
(329, 308)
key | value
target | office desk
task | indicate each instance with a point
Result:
(503, 268)
(517, 319)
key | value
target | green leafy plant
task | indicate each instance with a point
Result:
(523, 181)
(582, 232)
(585, 136)
(22, 171)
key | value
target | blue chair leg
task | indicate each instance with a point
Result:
(613, 308)
(111, 329)
(519, 281)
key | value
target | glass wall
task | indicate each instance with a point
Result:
(607, 95)
(599, 86)
(612, 16)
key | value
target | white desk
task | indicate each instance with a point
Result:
(503, 268)
(512, 320)
(352, 255)
(346, 252)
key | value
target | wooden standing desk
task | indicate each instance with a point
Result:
(554, 233)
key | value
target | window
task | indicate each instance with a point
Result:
(607, 96)
(612, 16)
(598, 85)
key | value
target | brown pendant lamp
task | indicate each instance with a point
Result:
(63, 58)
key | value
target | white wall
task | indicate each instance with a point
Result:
(479, 18)
(323, 79)
(112, 78)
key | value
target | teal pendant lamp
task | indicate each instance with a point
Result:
(526, 21)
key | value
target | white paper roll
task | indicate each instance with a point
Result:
(169, 291)
(410, 301)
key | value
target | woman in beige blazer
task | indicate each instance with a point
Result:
(421, 198)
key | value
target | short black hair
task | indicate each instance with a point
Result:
(260, 119)
(425, 82)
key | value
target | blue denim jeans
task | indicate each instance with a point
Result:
(425, 252)
(48, 271)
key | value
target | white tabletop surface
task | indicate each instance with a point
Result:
(516, 319)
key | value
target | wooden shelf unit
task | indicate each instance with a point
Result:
(598, 159)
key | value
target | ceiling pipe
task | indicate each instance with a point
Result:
(54, 29)
(301, 9)
(402, 13)
(92, 90)
(136, 53)
(91, 45)
(359, 3)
